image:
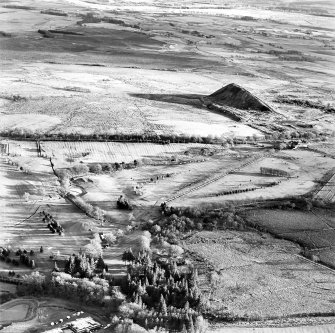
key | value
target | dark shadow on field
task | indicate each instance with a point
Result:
(183, 99)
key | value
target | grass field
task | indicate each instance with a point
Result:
(21, 223)
(16, 311)
(315, 229)
(276, 280)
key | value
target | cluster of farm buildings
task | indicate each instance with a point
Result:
(80, 325)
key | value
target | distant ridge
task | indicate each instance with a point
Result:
(237, 97)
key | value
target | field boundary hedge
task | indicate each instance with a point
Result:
(136, 138)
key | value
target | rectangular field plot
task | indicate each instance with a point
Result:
(283, 221)
(111, 152)
(22, 148)
(314, 229)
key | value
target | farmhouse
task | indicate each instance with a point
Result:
(274, 172)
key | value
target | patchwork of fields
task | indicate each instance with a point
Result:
(97, 69)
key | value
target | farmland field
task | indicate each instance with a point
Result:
(150, 73)
(255, 79)
(315, 229)
(327, 192)
(305, 169)
(276, 281)
(111, 152)
(22, 225)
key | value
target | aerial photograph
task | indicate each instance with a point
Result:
(167, 166)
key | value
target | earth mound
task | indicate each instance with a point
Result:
(237, 97)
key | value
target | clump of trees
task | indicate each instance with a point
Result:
(299, 203)
(18, 98)
(108, 239)
(85, 266)
(94, 248)
(98, 168)
(123, 203)
(79, 170)
(53, 225)
(95, 168)
(181, 220)
(61, 284)
(25, 260)
(160, 293)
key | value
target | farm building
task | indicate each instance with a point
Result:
(4, 148)
(83, 325)
(274, 172)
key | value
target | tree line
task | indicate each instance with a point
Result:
(26, 134)
(24, 257)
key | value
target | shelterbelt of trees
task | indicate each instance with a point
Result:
(27, 134)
